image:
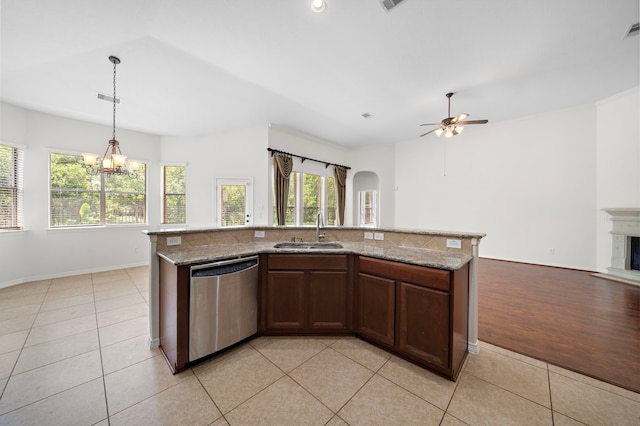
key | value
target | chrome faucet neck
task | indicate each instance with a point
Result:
(319, 224)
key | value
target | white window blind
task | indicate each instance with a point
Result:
(174, 198)
(11, 184)
(80, 199)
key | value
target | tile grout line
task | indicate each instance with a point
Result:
(222, 416)
(553, 420)
(104, 382)
(24, 343)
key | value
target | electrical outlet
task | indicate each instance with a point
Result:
(454, 243)
(368, 235)
(378, 236)
(174, 241)
(258, 234)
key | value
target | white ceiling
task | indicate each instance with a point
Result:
(194, 67)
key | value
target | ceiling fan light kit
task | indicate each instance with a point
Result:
(451, 126)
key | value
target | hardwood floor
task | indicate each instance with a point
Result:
(564, 317)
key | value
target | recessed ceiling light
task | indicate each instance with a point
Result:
(318, 6)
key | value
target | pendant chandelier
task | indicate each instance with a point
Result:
(112, 162)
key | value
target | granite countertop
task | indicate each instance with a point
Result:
(416, 256)
(190, 230)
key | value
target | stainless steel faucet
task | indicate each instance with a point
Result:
(319, 225)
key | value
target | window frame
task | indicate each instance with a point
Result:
(16, 187)
(248, 208)
(103, 195)
(298, 197)
(163, 205)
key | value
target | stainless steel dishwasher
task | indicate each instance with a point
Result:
(223, 305)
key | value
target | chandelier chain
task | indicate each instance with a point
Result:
(114, 100)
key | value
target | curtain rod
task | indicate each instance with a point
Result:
(326, 164)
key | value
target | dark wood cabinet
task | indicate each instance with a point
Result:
(285, 308)
(416, 312)
(423, 324)
(419, 312)
(174, 314)
(307, 294)
(376, 308)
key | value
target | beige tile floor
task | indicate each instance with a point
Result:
(74, 351)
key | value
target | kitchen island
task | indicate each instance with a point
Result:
(426, 281)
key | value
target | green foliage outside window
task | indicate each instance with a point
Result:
(233, 205)
(312, 199)
(175, 199)
(78, 198)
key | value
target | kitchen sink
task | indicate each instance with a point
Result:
(308, 246)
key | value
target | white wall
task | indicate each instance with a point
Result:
(378, 159)
(618, 163)
(529, 184)
(295, 142)
(240, 154)
(532, 184)
(40, 252)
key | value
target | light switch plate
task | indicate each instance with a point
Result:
(454, 243)
(378, 236)
(368, 235)
(258, 234)
(174, 241)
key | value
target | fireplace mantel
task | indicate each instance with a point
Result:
(626, 224)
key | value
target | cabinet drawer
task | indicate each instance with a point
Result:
(420, 275)
(298, 262)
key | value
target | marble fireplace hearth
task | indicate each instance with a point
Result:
(626, 226)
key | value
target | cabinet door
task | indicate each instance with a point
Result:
(285, 300)
(329, 301)
(423, 324)
(376, 308)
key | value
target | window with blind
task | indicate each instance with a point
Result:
(234, 200)
(174, 194)
(11, 163)
(310, 194)
(80, 199)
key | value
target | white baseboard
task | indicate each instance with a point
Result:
(70, 273)
(153, 343)
(474, 348)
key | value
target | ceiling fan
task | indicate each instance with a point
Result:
(451, 126)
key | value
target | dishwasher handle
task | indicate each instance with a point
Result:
(223, 268)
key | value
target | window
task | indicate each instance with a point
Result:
(367, 208)
(11, 161)
(174, 198)
(234, 198)
(310, 194)
(80, 199)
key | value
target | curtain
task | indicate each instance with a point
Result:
(341, 185)
(282, 166)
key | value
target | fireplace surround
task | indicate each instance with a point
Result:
(625, 234)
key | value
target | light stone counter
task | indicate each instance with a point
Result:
(447, 250)
(416, 256)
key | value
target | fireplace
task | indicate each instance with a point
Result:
(634, 251)
(625, 255)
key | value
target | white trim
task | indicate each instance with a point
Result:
(70, 273)
(248, 208)
(13, 145)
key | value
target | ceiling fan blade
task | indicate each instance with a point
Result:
(462, 123)
(430, 131)
(459, 117)
(431, 124)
